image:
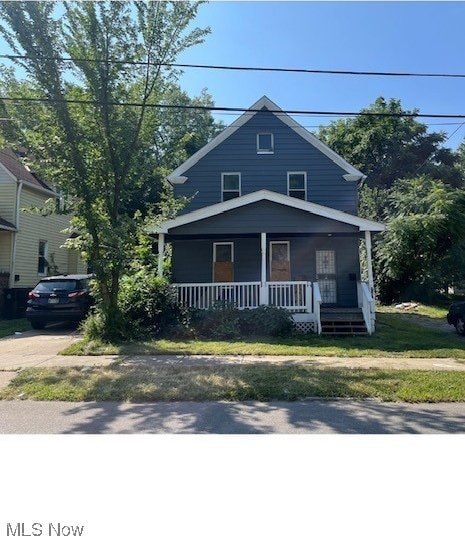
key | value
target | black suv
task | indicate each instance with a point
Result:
(456, 316)
(59, 298)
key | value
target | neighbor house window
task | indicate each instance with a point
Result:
(297, 184)
(42, 258)
(265, 143)
(230, 186)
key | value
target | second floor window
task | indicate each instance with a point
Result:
(265, 143)
(230, 186)
(297, 184)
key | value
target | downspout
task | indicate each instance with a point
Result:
(13, 244)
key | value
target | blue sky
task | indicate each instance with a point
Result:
(396, 36)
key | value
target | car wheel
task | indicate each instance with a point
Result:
(460, 325)
(37, 325)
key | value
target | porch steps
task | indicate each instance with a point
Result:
(343, 322)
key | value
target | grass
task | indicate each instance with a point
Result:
(437, 312)
(234, 383)
(9, 327)
(394, 338)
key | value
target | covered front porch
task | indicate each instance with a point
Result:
(292, 272)
(271, 251)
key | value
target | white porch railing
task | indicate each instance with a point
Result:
(206, 295)
(295, 296)
(291, 295)
(367, 303)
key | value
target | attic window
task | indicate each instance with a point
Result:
(265, 143)
(297, 184)
(230, 186)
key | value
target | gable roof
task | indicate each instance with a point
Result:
(6, 225)
(352, 174)
(266, 195)
(20, 172)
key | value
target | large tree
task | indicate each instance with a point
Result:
(99, 154)
(423, 249)
(388, 148)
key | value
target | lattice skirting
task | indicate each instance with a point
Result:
(305, 327)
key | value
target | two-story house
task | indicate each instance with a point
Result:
(273, 220)
(31, 245)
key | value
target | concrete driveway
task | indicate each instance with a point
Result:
(35, 347)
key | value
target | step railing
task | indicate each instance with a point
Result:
(367, 303)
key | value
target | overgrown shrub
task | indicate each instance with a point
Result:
(225, 322)
(149, 304)
(147, 307)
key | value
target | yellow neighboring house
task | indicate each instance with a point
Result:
(30, 244)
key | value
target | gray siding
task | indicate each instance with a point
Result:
(263, 216)
(247, 261)
(325, 184)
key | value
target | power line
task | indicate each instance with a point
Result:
(94, 102)
(442, 144)
(240, 67)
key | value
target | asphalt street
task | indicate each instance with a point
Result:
(312, 416)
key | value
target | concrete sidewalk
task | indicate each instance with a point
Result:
(40, 349)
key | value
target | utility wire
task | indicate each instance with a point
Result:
(442, 144)
(238, 67)
(94, 102)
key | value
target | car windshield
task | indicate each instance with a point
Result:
(57, 284)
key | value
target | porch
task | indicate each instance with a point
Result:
(265, 248)
(302, 298)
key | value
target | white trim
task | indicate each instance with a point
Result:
(19, 189)
(178, 180)
(265, 151)
(263, 259)
(222, 184)
(304, 173)
(266, 195)
(265, 102)
(214, 258)
(270, 255)
(223, 244)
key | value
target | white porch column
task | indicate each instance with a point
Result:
(369, 263)
(161, 253)
(263, 286)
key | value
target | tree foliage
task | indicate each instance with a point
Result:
(390, 148)
(101, 155)
(423, 248)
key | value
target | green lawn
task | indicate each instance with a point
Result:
(438, 312)
(239, 382)
(394, 337)
(9, 327)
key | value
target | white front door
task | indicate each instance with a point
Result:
(326, 275)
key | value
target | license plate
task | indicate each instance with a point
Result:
(53, 300)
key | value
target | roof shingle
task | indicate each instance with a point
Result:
(19, 170)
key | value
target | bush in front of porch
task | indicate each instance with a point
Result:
(224, 321)
(150, 310)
